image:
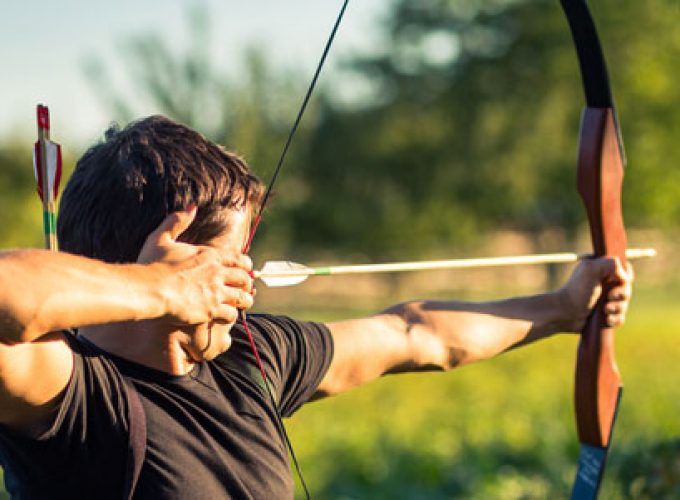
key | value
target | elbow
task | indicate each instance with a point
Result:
(438, 342)
(431, 346)
(16, 330)
(16, 334)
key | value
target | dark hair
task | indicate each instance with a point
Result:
(123, 187)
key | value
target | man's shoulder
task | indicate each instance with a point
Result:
(295, 354)
(276, 334)
(283, 323)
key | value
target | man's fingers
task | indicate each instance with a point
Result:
(604, 267)
(178, 222)
(237, 298)
(174, 225)
(623, 274)
(614, 320)
(618, 297)
(233, 301)
(242, 300)
(610, 269)
(226, 313)
(246, 262)
(616, 308)
(620, 293)
(156, 246)
(234, 259)
(615, 313)
(235, 277)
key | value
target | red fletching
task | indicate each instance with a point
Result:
(37, 168)
(57, 173)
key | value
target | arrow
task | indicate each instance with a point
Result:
(286, 273)
(47, 170)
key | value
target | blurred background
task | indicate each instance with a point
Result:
(441, 129)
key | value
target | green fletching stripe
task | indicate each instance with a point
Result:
(322, 271)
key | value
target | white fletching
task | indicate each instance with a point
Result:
(283, 273)
(52, 162)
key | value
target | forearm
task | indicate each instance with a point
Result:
(44, 291)
(450, 334)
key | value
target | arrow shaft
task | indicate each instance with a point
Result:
(458, 263)
(555, 258)
(49, 208)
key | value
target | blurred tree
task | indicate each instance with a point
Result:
(473, 126)
(652, 470)
(20, 208)
(470, 126)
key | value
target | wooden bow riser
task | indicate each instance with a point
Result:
(600, 177)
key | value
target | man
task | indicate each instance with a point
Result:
(211, 431)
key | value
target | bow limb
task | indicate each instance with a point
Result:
(601, 161)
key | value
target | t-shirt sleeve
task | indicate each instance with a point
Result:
(95, 389)
(296, 355)
(88, 433)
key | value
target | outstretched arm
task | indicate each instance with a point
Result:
(442, 335)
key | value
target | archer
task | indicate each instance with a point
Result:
(181, 374)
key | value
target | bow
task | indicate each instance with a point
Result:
(601, 160)
(600, 173)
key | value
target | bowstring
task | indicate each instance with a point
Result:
(256, 223)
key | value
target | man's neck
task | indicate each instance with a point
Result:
(141, 343)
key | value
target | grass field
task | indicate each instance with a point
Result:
(503, 429)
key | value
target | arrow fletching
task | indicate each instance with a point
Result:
(284, 273)
(52, 168)
(47, 170)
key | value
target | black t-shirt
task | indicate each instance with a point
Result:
(211, 434)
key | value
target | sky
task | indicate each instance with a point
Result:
(46, 43)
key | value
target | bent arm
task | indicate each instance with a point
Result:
(43, 291)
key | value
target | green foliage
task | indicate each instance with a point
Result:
(20, 208)
(503, 428)
(3, 494)
(653, 471)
